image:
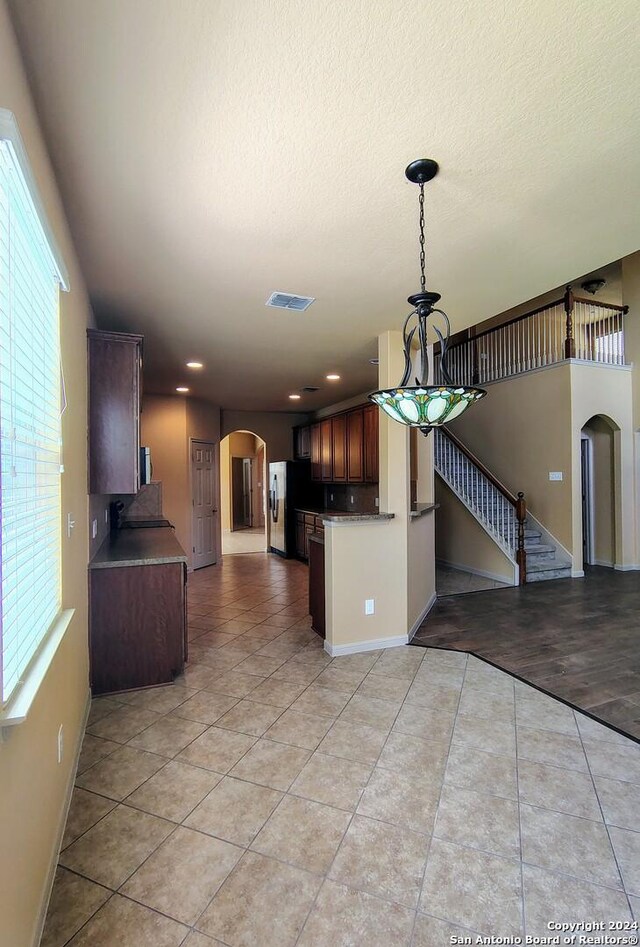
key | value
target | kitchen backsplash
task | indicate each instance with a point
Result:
(337, 496)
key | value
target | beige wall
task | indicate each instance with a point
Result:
(164, 430)
(421, 568)
(392, 561)
(631, 298)
(338, 406)
(601, 437)
(461, 541)
(530, 425)
(521, 431)
(606, 391)
(167, 424)
(33, 786)
(275, 429)
(237, 444)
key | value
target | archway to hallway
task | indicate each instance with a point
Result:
(598, 491)
(244, 521)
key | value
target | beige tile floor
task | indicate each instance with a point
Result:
(243, 541)
(274, 797)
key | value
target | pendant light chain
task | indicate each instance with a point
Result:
(423, 278)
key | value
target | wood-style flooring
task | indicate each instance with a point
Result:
(578, 639)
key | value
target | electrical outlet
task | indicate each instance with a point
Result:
(369, 606)
(331, 495)
(351, 498)
(106, 516)
(60, 743)
(70, 523)
(94, 529)
(555, 475)
(377, 502)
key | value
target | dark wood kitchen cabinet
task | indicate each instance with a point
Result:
(326, 450)
(138, 626)
(355, 446)
(302, 442)
(316, 584)
(316, 454)
(371, 417)
(344, 447)
(339, 448)
(114, 379)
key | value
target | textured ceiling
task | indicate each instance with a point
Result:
(211, 151)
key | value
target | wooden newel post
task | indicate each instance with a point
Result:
(521, 553)
(569, 342)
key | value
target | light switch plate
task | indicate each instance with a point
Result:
(555, 475)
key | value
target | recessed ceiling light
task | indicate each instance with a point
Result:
(295, 397)
(195, 365)
(333, 377)
(182, 390)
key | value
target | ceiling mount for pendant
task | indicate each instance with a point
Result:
(421, 170)
(423, 405)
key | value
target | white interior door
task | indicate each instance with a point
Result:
(204, 508)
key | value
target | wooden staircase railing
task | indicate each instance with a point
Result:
(569, 327)
(517, 502)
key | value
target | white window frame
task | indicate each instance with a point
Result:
(17, 707)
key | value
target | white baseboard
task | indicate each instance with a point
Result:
(358, 646)
(607, 563)
(63, 823)
(628, 568)
(425, 611)
(480, 572)
(577, 573)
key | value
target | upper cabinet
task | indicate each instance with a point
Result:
(344, 448)
(339, 448)
(371, 417)
(302, 442)
(355, 446)
(115, 374)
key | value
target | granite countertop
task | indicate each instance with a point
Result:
(343, 516)
(422, 508)
(138, 547)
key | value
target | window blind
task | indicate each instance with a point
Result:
(30, 428)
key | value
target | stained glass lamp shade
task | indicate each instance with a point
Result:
(422, 405)
(428, 406)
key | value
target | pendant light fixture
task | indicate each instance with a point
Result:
(423, 405)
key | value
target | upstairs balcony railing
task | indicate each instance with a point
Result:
(571, 327)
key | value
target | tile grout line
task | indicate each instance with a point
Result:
(523, 908)
(437, 805)
(604, 822)
(354, 813)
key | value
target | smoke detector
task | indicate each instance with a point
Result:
(289, 301)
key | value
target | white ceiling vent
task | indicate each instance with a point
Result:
(289, 301)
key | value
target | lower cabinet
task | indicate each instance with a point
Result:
(137, 626)
(306, 525)
(316, 584)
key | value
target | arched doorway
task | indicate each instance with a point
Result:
(243, 493)
(599, 487)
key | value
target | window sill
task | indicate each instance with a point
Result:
(19, 704)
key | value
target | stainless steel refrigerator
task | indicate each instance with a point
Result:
(290, 487)
(278, 519)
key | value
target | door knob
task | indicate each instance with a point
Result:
(214, 511)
